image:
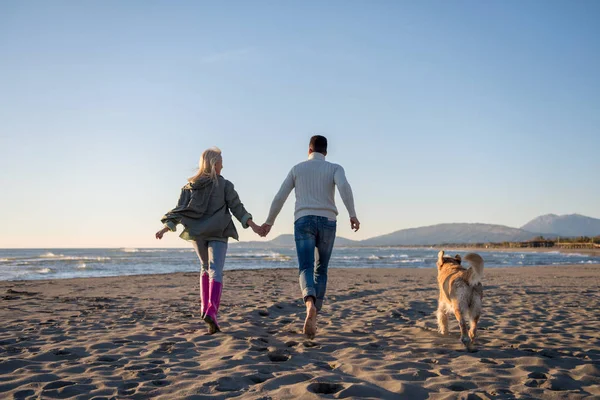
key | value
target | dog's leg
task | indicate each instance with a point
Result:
(442, 319)
(473, 330)
(460, 317)
(475, 311)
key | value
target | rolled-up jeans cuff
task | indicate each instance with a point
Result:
(309, 292)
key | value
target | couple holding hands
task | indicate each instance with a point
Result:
(208, 200)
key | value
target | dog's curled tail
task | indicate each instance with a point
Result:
(475, 273)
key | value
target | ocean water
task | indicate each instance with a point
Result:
(28, 264)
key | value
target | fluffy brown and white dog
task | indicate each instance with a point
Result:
(460, 293)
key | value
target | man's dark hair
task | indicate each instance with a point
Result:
(318, 144)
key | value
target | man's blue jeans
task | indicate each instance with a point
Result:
(314, 244)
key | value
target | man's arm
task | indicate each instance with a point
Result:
(345, 190)
(280, 198)
(339, 177)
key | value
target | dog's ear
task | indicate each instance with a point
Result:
(440, 259)
(457, 258)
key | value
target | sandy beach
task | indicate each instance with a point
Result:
(140, 337)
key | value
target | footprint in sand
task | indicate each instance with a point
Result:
(151, 374)
(134, 368)
(229, 384)
(166, 347)
(561, 382)
(537, 375)
(324, 387)
(58, 385)
(22, 394)
(108, 359)
(462, 386)
(128, 389)
(505, 393)
(279, 355)
(258, 344)
(373, 347)
(259, 378)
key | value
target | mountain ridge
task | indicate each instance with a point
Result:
(564, 225)
(549, 225)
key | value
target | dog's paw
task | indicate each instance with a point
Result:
(471, 348)
(466, 341)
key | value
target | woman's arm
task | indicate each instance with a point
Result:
(172, 218)
(232, 199)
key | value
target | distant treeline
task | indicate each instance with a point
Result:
(580, 239)
(581, 242)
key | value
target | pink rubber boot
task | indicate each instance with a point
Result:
(214, 299)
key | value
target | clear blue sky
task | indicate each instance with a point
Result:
(439, 111)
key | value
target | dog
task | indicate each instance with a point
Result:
(461, 293)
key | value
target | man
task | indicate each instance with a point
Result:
(315, 221)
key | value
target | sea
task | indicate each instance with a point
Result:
(32, 264)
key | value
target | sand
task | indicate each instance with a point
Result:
(140, 337)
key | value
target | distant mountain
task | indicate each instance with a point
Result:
(564, 225)
(450, 233)
(548, 225)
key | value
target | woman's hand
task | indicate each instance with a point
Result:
(257, 229)
(160, 233)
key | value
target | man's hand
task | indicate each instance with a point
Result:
(354, 224)
(257, 229)
(266, 228)
(159, 234)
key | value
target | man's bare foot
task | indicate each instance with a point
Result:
(310, 324)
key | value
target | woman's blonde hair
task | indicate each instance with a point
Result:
(206, 165)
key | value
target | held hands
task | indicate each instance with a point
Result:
(262, 230)
(259, 230)
(159, 234)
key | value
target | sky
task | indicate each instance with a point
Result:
(462, 111)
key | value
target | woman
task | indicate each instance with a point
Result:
(204, 211)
